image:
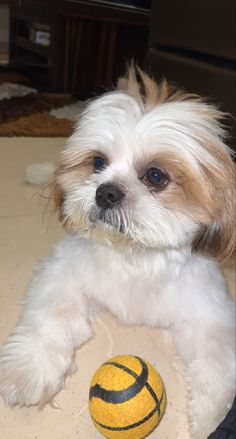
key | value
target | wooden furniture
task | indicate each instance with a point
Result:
(90, 43)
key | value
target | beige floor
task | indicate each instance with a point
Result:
(27, 231)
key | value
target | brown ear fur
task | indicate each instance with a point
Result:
(219, 238)
(58, 193)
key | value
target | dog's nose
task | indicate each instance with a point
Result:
(108, 195)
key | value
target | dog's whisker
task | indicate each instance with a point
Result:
(110, 338)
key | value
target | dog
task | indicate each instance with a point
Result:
(145, 191)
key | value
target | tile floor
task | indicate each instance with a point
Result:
(27, 231)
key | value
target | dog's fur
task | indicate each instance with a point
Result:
(148, 260)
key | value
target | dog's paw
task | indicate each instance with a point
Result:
(31, 372)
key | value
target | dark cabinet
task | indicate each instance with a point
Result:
(89, 43)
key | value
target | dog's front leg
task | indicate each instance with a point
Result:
(208, 353)
(55, 320)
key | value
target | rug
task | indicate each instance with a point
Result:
(26, 112)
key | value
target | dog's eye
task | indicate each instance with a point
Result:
(156, 177)
(99, 163)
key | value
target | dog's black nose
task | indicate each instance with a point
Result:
(108, 195)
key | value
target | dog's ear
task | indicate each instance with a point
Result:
(218, 238)
(58, 193)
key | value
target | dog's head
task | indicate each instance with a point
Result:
(148, 165)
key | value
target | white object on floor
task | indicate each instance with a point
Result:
(8, 90)
(40, 173)
(71, 112)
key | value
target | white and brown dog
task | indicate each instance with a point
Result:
(145, 189)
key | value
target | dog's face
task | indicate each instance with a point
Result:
(149, 168)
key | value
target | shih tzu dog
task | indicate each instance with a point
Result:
(145, 190)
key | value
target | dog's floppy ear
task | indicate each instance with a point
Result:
(218, 238)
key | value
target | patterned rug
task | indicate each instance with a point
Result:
(28, 113)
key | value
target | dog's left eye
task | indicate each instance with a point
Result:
(156, 177)
(99, 163)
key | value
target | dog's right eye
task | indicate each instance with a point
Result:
(157, 178)
(99, 163)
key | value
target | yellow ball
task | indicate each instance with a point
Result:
(127, 398)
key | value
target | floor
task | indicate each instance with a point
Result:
(28, 229)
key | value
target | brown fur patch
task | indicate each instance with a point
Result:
(73, 170)
(58, 193)
(218, 238)
(209, 197)
(187, 190)
(149, 94)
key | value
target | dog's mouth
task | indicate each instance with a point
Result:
(107, 217)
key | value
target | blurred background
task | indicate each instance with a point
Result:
(71, 50)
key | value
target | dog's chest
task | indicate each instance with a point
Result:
(130, 286)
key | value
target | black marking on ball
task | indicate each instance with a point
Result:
(100, 391)
(129, 427)
(119, 396)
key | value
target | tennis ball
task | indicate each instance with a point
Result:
(127, 398)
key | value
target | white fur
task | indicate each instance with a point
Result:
(147, 275)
